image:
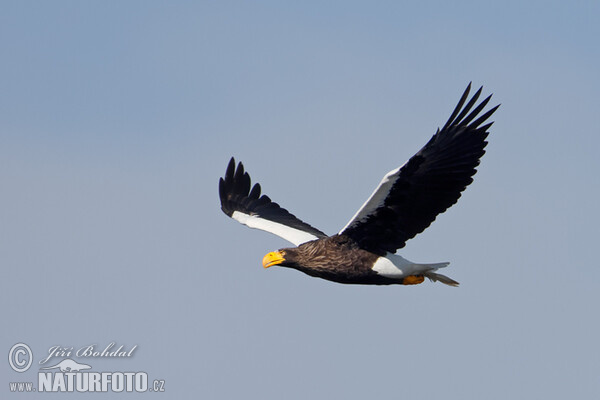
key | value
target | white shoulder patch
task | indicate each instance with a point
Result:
(292, 235)
(377, 198)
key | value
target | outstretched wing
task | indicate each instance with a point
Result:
(409, 198)
(251, 209)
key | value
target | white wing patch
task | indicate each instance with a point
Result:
(292, 235)
(376, 199)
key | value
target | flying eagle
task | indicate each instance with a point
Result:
(407, 201)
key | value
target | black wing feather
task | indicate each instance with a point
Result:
(429, 183)
(237, 195)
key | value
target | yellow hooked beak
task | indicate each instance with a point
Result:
(273, 258)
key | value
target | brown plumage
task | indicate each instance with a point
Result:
(326, 257)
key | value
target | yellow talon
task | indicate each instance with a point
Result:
(413, 280)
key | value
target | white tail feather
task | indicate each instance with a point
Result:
(435, 277)
(440, 278)
(396, 267)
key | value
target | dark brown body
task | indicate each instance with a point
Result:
(336, 258)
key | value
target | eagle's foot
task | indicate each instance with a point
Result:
(413, 280)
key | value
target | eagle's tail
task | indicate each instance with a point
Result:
(435, 277)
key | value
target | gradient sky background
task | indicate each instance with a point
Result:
(118, 118)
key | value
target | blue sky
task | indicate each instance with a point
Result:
(118, 118)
